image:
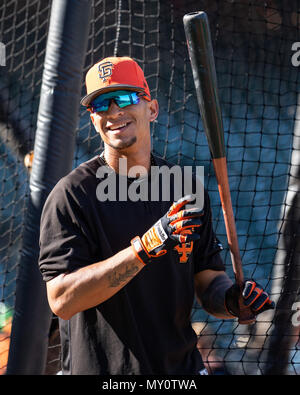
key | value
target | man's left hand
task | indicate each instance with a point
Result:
(253, 296)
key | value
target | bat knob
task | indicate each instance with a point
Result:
(246, 316)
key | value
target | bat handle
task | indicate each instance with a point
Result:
(246, 315)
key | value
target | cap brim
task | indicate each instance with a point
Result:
(86, 100)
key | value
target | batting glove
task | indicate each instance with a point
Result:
(254, 297)
(177, 226)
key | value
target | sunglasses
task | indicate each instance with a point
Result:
(121, 98)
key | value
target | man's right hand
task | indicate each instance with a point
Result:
(177, 226)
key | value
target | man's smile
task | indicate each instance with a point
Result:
(118, 128)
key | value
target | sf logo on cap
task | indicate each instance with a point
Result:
(105, 70)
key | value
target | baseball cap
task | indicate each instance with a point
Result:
(114, 73)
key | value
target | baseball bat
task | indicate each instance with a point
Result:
(201, 56)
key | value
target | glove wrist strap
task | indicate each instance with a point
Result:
(140, 251)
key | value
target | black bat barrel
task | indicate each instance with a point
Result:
(200, 50)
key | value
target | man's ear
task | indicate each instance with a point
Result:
(92, 118)
(92, 115)
(154, 110)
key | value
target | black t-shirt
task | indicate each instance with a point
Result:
(144, 328)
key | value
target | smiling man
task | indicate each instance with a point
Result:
(122, 275)
(125, 130)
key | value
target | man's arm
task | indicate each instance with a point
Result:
(220, 297)
(210, 289)
(86, 287)
(70, 293)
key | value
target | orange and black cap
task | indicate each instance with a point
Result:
(112, 74)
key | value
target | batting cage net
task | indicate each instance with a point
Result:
(255, 47)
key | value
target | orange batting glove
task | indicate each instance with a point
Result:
(177, 226)
(253, 296)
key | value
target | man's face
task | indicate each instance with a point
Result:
(121, 128)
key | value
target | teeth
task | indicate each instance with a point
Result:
(118, 127)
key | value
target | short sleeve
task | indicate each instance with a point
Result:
(65, 240)
(207, 250)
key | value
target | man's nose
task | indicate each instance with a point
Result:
(114, 109)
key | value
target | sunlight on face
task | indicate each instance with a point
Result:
(121, 128)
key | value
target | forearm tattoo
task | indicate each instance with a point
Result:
(115, 279)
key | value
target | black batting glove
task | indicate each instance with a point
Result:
(177, 226)
(254, 297)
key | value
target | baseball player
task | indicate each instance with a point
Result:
(122, 274)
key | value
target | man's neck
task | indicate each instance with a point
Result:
(126, 164)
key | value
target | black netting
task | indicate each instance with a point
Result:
(23, 31)
(258, 87)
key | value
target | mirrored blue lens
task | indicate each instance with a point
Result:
(121, 98)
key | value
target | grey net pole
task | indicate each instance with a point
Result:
(53, 159)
